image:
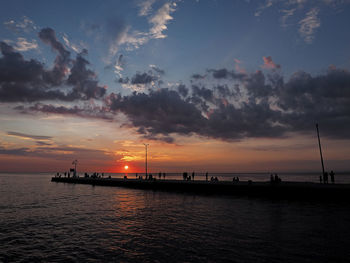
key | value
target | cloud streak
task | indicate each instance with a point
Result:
(309, 25)
(29, 136)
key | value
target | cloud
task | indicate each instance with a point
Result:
(160, 112)
(83, 80)
(269, 64)
(160, 20)
(309, 25)
(261, 8)
(197, 76)
(75, 47)
(29, 136)
(119, 65)
(22, 44)
(224, 73)
(56, 152)
(145, 7)
(86, 111)
(25, 25)
(261, 106)
(157, 69)
(292, 9)
(143, 78)
(60, 69)
(28, 80)
(257, 105)
(287, 13)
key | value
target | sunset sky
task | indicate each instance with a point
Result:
(210, 85)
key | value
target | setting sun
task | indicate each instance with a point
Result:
(126, 167)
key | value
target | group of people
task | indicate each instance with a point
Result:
(94, 175)
(66, 174)
(274, 179)
(324, 178)
(188, 177)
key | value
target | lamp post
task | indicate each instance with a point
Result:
(75, 162)
(146, 145)
(319, 145)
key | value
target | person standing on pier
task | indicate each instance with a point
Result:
(206, 176)
(331, 174)
(193, 176)
(325, 178)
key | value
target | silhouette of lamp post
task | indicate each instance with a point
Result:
(75, 162)
(146, 145)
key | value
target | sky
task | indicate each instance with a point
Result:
(209, 85)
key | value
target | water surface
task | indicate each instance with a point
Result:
(42, 221)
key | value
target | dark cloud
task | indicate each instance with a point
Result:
(197, 76)
(160, 112)
(60, 69)
(257, 105)
(16, 151)
(24, 80)
(226, 74)
(55, 152)
(143, 78)
(324, 99)
(202, 92)
(84, 81)
(41, 143)
(29, 136)
(157, 69)
(123, 80)
(84, 111)
(224, 105)
(183, 91)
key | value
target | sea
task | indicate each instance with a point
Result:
(44, 221)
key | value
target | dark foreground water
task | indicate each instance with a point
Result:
(41, 221)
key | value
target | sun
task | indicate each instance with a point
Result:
(126, 167)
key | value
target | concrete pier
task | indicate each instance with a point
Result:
(283, 190)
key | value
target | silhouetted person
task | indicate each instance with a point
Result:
(164, 176)
(325, 178)
(160, 175)
(331, 174)
(206, 176)
(193, 176)
(320, 179)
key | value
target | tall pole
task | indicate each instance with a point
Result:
(146, 145)
(319, 145)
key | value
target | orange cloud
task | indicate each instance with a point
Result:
(269, 64)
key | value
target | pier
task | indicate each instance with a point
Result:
(283, 190)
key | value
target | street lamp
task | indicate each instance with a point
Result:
(146, 145)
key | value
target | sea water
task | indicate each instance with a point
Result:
(43, 221)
